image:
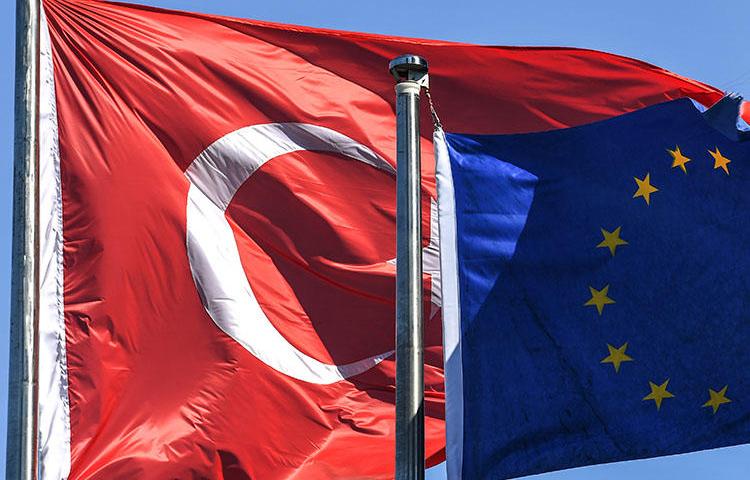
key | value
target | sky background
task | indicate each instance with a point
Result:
(704, 40)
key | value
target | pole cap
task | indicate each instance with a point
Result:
(409, 68)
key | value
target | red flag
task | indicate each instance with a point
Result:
(218, 209)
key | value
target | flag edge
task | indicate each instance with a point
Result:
(451, 309)
(53, 400)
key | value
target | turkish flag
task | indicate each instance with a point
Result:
(218, 213)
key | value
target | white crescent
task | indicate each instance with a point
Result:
(215, 176)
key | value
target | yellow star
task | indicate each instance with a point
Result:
(720, 161)
(679, 160)
(658, 393)
(645, 189)
(611, 240)
(599, 298)
(717, 398)
(617, 356)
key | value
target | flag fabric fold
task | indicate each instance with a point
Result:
(222, 233)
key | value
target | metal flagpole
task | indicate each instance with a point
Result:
(410, 72)
(21, 455)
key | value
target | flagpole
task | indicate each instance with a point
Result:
(410, 72)
(21, 453)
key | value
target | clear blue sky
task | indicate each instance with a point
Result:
(704, 40)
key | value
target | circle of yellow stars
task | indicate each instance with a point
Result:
(600, 298)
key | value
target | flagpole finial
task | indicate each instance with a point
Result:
(409, 68)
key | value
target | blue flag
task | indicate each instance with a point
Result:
(596, 285)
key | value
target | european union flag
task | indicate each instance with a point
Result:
(596, 292)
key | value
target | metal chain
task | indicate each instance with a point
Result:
(435, 119)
